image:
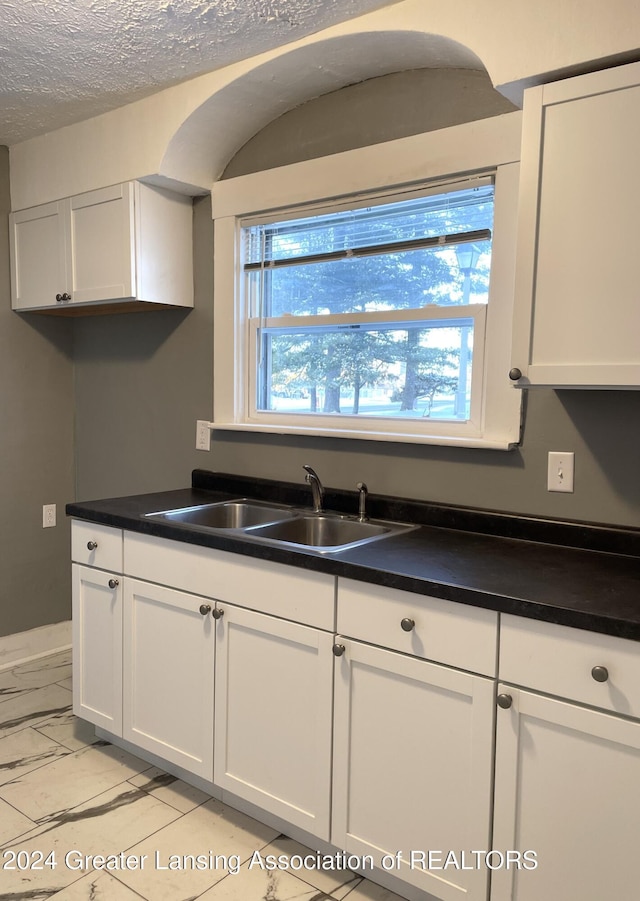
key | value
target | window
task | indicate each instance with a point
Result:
(366, 315)
(370, 312)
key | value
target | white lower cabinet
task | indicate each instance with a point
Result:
(97, 646)
(413, 736)
(568, 790)
(273, 715)
(413, 767)
(168, 675)
(380, 740)
(567, 785)
(266, 734)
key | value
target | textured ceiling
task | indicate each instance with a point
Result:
(66, 60)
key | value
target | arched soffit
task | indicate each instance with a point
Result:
(202, 146)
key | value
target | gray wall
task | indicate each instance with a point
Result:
(380, 109)
(601, 427)
(36, 454)
(142, 381)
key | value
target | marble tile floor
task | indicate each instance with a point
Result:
(67, 797)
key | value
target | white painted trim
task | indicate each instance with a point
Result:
(449, 155)
(393, 437)
(25, 646)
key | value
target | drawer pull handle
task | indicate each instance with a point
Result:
(92, 545)
(407, 624)
(205, 608)
(505, 701)
(600, 673)
(113, 583)
(217, 613)
(338, 650)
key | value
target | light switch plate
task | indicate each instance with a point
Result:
(560, 471)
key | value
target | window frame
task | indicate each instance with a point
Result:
(475, 150)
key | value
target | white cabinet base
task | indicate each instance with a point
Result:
(413, 766)
(168, 681)
(568, 789)
(273, 716)
(97, 647)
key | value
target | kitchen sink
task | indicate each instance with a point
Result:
(236, 514)
(323, 532)
(281, 525)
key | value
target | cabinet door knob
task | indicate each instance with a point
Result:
(407, 625)
(505, 701)
(600, 673)
(338, 650)
(217, 613)
(515, 374)
(113, 583)
(205, 608)
(92, 545)
(62, 298)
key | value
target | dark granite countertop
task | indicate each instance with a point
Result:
(576, 574)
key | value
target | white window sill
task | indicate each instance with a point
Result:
(503, 444)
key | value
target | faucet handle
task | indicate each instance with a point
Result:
(362, 501)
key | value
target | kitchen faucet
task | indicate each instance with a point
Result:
(317, 490)
(362, 502)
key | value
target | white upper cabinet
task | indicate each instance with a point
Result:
(577, 314)
(124, 247)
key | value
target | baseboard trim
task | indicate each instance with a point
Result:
(40, 642)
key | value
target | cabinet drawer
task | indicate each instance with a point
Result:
(284, 591)
(559, 660)
(96, 545)
(443, 631)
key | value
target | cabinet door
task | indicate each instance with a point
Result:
(577, 315)
(102, 251)
(413, 748)
(38, 255)
(97, 647)
(168, 675)
(273, 716)
(568, 789)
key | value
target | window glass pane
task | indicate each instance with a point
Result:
(417, 371)
(448, 213)
(412, 279)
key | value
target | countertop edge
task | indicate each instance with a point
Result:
(353, 564)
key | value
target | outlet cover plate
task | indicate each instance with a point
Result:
(203, 435)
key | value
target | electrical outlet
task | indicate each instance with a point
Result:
(48, 516)
(203, 435)
(560, 471)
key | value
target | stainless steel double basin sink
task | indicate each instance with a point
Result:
(281, 525)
